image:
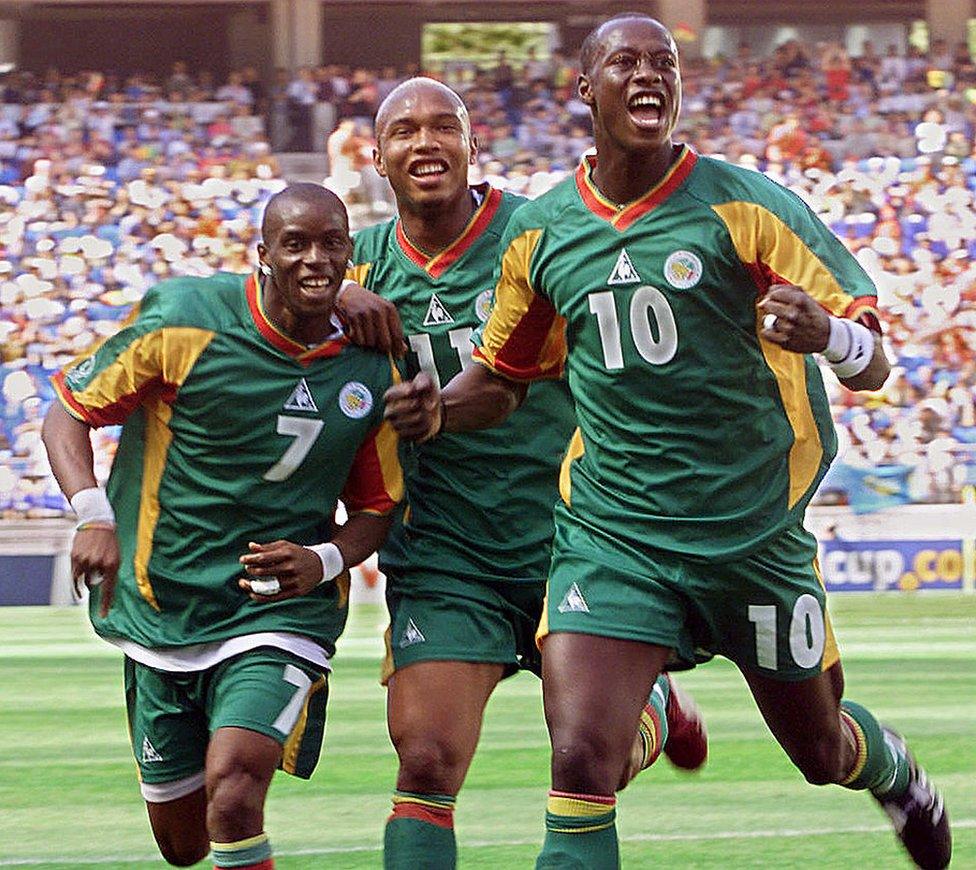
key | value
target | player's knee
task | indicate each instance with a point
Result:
(236, 798)
(429, 765)
(586, 761)
(821, 762)
(183, 852)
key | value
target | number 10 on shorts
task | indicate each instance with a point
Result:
(807, 633)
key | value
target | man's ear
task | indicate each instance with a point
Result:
(473, 150)
(584, 89)
(379, 163)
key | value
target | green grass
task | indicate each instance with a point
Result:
(69, 799)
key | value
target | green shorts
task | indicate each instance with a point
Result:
(766, 611)
(462, 620)
(172, 715)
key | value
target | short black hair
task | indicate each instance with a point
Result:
(301, 191)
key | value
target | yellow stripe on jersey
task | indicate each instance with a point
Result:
(543, 629)
(760, 237)
(390, 468)
(357, 272)
(831, 654)
(524, 338)
(153, 365)
(178, 351)
(807, 451)
(575, 451)
(289, 752)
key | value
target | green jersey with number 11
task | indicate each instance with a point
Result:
(479, 503)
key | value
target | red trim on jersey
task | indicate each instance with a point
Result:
(275, 337)
(365, 489)
(116, 412)
(441, 818)
(438, 264)
(529, 334)
(624, 217)
(865, 310)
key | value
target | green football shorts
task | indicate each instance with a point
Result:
(446, 618)
(766, 611)
(172, 715)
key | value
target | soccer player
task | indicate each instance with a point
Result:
(684, 298)
(245, 415)
(466, 567)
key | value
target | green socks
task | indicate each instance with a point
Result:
(581, 833)
(420, 833)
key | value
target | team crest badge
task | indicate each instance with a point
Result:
(301, 398)
(355, 400)
(482, 305)
(683, 270)
(78, 373)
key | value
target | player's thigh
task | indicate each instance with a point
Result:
(454, 619)
(604, 586)
(768, 612)
(273, 693)
(436, 708)
(168, 730)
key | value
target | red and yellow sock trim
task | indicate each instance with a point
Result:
(434, 810)
(251, 853)
(569, 813)
(860, 745)
(650, 730)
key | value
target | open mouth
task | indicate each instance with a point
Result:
(646, 110)
(316, 286)
(428, 171)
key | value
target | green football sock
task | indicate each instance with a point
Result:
(420, 833)
(879, 767)
(581, 833)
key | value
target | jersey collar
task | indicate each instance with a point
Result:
(624, 216)
(438, 264)
(276, 338)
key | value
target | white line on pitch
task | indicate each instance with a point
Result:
(632, 838)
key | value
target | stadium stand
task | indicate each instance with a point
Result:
(109, 184)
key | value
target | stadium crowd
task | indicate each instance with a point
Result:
(110, 184)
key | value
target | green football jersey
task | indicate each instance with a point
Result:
(479, 503)
(231, 432)
(696, 435)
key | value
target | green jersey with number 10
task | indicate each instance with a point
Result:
(696, 435)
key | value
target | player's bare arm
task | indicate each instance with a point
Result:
(297, 570)
(476, 398)
(370, 320)
(796, 322)
(95, 554)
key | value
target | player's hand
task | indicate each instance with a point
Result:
(95, 562)
(414, 408)
(296, 569)
(792, 319)
(370, 320)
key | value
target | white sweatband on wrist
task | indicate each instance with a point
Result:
(859, 342)
(92, 506)
(331, 558)
(343, 287)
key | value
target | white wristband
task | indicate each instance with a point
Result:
(92, 506)
(860, 348)
(331, 558)
(839, 342)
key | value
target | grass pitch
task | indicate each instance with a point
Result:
(69, 799)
